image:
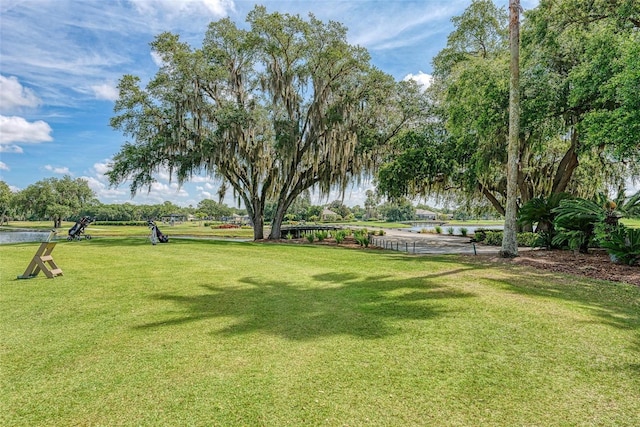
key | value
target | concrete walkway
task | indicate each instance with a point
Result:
(426, 243)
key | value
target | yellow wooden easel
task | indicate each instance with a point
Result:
(42, 261)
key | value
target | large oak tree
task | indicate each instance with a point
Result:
(274, 110)
(579, 123)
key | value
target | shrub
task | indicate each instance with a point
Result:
(450, 230)
(321, 235)
(480, 234)
(493, 238)
(463, 231)
(528, 239)
(363, 240)
(340, 236)
(438, 229)
(381, 232)
(623, 245)
(311, 237)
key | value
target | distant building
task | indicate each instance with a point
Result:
(237, 219)
(174, 219)
(328, 215)
(426, 215)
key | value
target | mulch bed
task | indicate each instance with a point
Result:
(595, 265)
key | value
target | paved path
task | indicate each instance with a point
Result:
(427, 243)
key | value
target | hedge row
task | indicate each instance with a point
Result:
(494, 238)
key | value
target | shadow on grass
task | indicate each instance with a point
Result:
(612, 304)
(323, 305)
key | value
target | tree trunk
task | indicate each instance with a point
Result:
(492, 199)
(567, 165)
(284, 202)
(509, 243)
(257, 216)
(276, 223)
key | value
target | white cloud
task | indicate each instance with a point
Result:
(157, 59)
(10, 148)
(13, 95)
(102, 189)
(217, 8)
(105, 91)
(423, 79)
(58, 170)
(17, 130)
(101, 168)
(4, 167)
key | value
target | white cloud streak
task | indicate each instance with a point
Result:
(58, 170)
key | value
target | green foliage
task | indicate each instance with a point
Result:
(214, 210)
(623, 243)
(580, 65)
(438, 229)
(6, 200)
(55, 199)
(396, 210)
(361, 236)
(464, 231)
(450, 230)
(528, 239)
(340, 236)
(480, 234)
(321, 235)
(576, 220)
(540, 211)
(310, 237)
(494, 238)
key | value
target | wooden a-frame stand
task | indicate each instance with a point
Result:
(42, 260)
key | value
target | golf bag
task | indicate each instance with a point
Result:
(76, 232)
(156, 235)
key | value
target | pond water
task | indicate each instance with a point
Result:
(24, 236)
(456, 228)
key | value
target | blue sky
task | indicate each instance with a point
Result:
(60, 61)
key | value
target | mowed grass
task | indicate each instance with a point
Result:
(215, 333)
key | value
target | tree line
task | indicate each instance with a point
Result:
(71, 199)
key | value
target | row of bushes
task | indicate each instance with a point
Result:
(361, 236)
(494, 238)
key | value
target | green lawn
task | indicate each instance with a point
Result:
(216, 333)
